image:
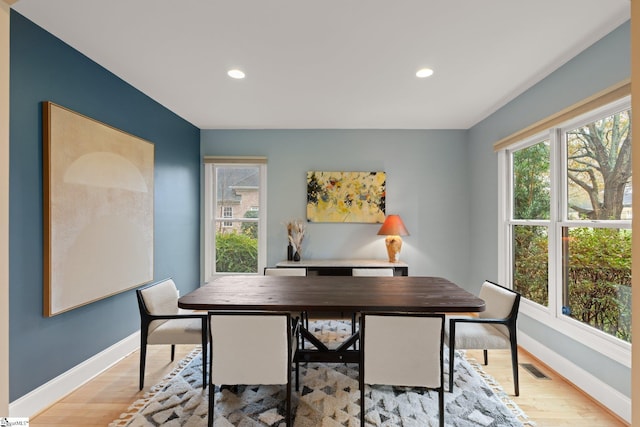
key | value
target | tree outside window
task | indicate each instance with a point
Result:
(593, 222)
(597, 255)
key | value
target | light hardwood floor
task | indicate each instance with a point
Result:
(547, 402)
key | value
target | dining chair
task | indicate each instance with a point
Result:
(264, 355)
(293, 271)
(163, 322)
(494, 328)
(367, 272)
(412, 358)
(381, 272)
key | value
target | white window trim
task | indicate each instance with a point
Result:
(599, 341)
(225, 218)
(209, 203)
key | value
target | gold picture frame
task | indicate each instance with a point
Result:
(98, 210)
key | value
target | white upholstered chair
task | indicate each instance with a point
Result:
(494, 328)
(367, 272)
(251, 348)
(293, 271)
(380, 272)
(412, 358)
(162, 322)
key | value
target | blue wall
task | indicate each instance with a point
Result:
(45, 69)
(602, 65)
(426, 185)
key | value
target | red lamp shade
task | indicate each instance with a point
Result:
(393, 228)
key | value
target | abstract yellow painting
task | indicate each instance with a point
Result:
(346, 196)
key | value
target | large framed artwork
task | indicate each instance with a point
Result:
(98, 210)
(346, 196)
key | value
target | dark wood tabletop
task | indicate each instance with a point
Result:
(331, 294)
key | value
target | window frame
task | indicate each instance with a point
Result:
(552, 315)
(548, 223)
(227, 212)
(210, 218)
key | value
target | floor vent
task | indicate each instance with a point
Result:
(534, 371)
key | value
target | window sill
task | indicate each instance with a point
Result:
(598, 341)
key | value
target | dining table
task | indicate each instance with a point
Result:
(331, 294)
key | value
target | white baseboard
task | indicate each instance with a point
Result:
(47, 394)
(615, 401)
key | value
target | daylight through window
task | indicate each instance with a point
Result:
(569, 217)
(234, 200)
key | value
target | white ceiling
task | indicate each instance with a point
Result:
(329, 64)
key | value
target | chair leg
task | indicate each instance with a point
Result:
(361, 402)
(303, 324)
(144, 331)
(143, 359)
(288, 403)
(205, 334)
(353, 324)
(173, 351)
(212, 404)
(452, 353)
(441, 405)
(353, 327)
(486, 357)
(212, 388)
(514, 365)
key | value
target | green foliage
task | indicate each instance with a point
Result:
(531, 187)
(531, 263)
(597, 266)
(236, 253)
(250, 228)
(599, 279)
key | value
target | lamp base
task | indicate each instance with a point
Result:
(394, 243)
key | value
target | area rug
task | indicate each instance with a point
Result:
(329, 397)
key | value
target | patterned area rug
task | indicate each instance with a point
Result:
(328, 397)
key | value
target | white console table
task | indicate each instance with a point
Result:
(343, 267)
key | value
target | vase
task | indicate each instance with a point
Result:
(289, 252)
(296, 256)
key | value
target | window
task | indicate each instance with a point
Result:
(235, 235)
(227, 212)
(596, 223)
(567, 236)
(530, 223)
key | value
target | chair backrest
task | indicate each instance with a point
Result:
(402, 348)
(501, 303)
(294, 271)
(158, 298)
(372, 272)
(250, 347)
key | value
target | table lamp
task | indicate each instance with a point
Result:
(393, 228)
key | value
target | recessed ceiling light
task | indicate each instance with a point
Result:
(236, 74)
(424, 72)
